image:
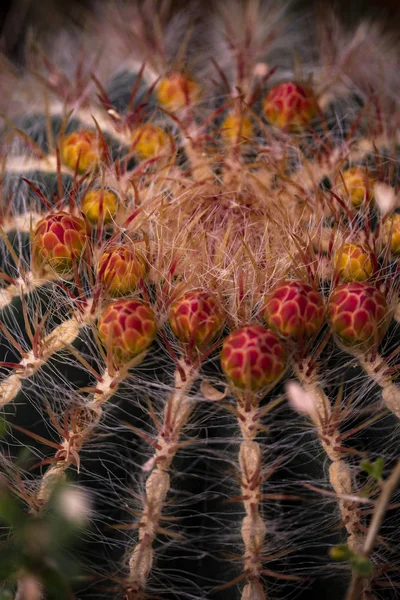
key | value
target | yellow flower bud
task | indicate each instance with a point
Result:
(100, 202)
(85, 146)
(177, 91)
(353, 263)
(236, 128)
(392, 233)
(356, 183)
(149, 140)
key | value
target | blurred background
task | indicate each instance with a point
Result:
(18, 16)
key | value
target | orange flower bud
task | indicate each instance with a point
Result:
(127, 328)
(58, 240)
(120, 269)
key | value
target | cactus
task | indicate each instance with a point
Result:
(199, 307)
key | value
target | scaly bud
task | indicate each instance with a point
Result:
(197, 317)
(253, 357)
(59, 240)
(127, 328)
(353, 263)
(236, 128)
(149, 140)
(177, 91)
(83, 145)
(392, 233)
(290, 106)
(355, 185)
(358, 314)
(294, 309)
(120, 269)
(97, 203)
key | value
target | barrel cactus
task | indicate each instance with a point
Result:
(199, 308)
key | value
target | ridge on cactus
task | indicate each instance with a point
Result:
(294, 309)
(290, 105)
(177, 91)
(120, 269)
(197, 318)
(58, 240)
(100, 205)
(358, 314)
(127, 329)
(82, 150)
(253, 358)
(149, 140)
(353, 263)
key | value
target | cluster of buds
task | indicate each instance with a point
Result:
(353, 263)
(177, 91)
(127, 329)
(253, 358)
(120, 269)
(100, 206)
(294, 309)
(58, 241)
(82, 150)
(197, 318)
(358, 314)
(149, 140)
(290, 106)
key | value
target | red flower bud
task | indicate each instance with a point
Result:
(290, 105)
(294, 309)
(358, 314)
(253, 357)
(197, 317)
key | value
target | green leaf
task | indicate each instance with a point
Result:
(10, 511)
(374, 469)
(7, 593)
(3, 431)
(362, 566)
